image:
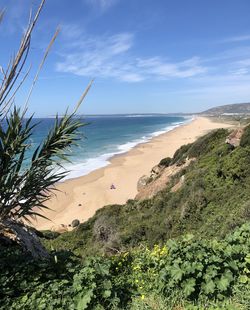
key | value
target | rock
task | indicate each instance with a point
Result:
(142, 182)
(75, 223)
(234, 137)
(59, 228)
(159, 183)
(156, 170)
(12, 232)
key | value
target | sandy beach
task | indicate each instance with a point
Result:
(80, 198)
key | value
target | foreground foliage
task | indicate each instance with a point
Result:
(24, 188)
(25, 185)
(183, 273)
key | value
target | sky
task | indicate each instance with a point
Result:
(146, 56)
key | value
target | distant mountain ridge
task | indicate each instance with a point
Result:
(237, 108)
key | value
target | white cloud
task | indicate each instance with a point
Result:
(99, 57)
(101, 4)
(15, 17)
(114, 57)
(156, 66)
(236, 39)
(110, 57)
(244, 62)
(71, 31)
(240, 71)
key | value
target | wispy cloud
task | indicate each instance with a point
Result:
(71, 31)
(244, 62)
(101, 4)
(236, 39)
(240, 71)
(111, 57)
(159, 68)
(13, 18)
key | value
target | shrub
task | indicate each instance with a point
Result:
(181, 153)
(207, 143)
(245, 139)
(165, 162)
(191, 273)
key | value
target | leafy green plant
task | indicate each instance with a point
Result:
(25, 189)
(184, 273)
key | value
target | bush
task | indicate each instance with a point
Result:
(245, 139)
(165, 162)
(181, 153)
(207, 143)
(184, 272)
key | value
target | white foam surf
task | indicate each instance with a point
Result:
(85, 167)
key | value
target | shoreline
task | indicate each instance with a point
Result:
(104, 160)
(80, 197)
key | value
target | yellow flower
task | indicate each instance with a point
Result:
(142, 297)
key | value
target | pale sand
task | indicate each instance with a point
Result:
(81, 197)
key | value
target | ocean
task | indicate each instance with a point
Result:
(106, 136)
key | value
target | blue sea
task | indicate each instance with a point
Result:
(106, 136)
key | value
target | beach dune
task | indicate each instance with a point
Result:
(80, 198)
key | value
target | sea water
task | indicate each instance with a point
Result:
(105, 136)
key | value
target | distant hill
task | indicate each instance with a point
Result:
(238, 108)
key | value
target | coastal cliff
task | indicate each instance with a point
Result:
(182, 242)
(203, 189)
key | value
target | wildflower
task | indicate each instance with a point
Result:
(142, 297)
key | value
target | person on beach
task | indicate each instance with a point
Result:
(112, 186)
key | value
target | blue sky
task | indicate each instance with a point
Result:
(145, 55)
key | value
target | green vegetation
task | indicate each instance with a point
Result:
(23, 189)
(165, 162)
(25, 186)
(182, 274)
(245, 139)
(183, 249)
(213, 200)
(187, 249)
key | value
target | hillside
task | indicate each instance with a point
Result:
(239, 108)
(185, 247)
(213, 200)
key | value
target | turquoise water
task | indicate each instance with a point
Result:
(106, 136)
